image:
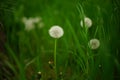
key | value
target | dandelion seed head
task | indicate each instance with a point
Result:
(87, 21)
(32, 22)
(56, 32)
(29, 25)
(94, 43)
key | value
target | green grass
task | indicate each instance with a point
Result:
(24, 53)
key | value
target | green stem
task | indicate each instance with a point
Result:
(87, 64)
(55, 57)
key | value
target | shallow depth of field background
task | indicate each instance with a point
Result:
(25, 53)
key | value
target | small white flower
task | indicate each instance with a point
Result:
(87, 21)
(56, 32)
(94, 43)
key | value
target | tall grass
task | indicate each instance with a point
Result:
(28, 52)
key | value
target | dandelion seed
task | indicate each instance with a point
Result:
(56, 32)
(94, 43)
(87, 21)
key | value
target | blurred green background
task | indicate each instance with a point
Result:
(24, 53)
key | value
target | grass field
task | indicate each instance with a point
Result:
(28, 52)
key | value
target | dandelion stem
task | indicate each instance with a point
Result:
(55, 47)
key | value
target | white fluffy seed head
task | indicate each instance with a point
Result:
(31, 22)
(56, 32)
(87, 21)
(29, 25)
(94, 43)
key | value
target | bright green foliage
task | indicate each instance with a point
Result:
(24, 53)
